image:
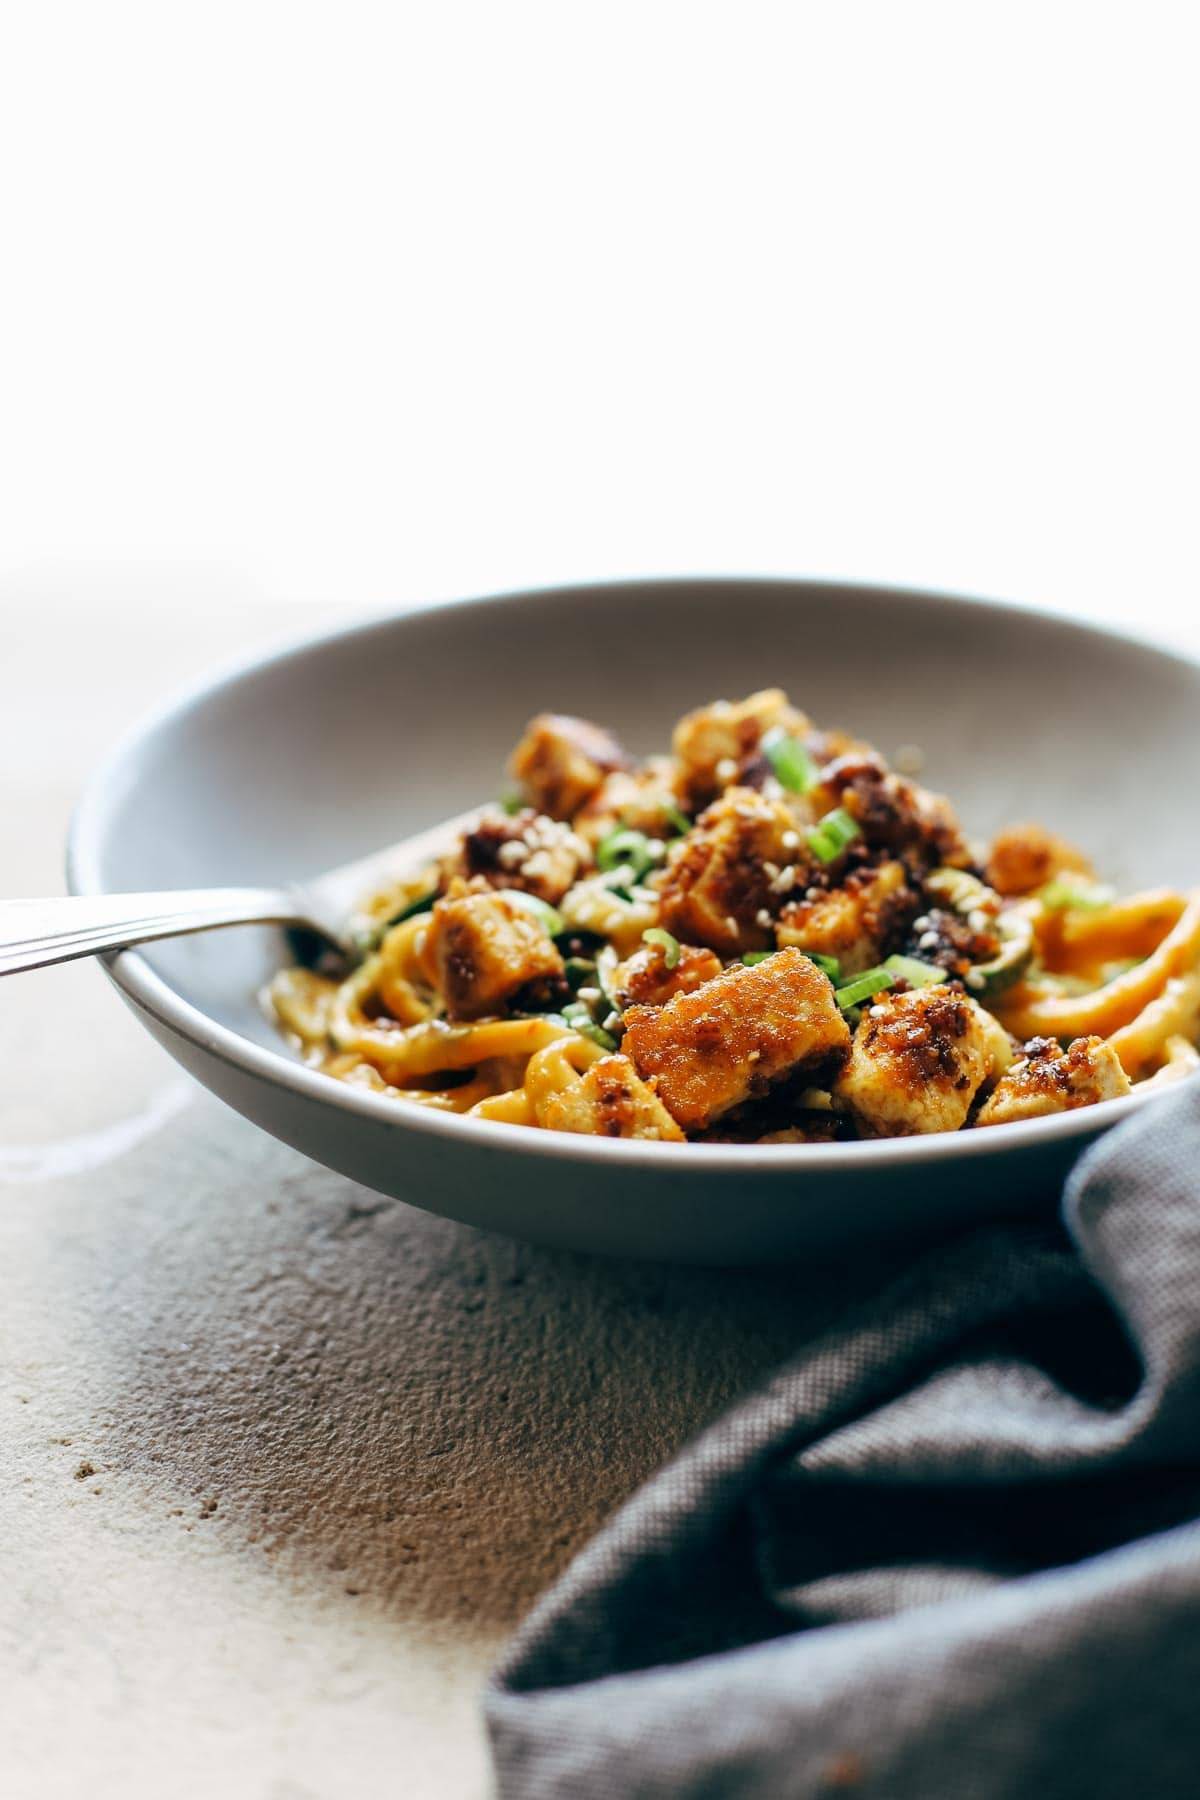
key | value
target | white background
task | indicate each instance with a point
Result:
(357, 304)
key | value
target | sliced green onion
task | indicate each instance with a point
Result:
(1014, 928)
(421, 904)
(667, 944)
(369, 937)
(871, 981)
(675, 817)
(756, 956)
(830, 835)
(619, 880)
(580, 971)
(580, 1019)
(793, 766)
(626, 846)
(546, 915)
(828, 965)
(606, 968)
(913, 970)
(1063, 895)
(512, 801)
(963, 890)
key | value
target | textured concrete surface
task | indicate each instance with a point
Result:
(283, 1462)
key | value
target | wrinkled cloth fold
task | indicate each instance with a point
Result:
(952, 1549)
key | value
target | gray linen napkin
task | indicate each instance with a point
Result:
(952, 1550)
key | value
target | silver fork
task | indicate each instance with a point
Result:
(34, 933)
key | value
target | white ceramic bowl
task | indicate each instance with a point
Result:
(307, 758)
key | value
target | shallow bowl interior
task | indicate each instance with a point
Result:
(349, 742)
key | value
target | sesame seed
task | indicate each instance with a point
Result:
(790, 840)
(771, 870)
(762, 917)
(588, 994)
(726, 769)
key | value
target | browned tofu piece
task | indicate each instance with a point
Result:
(728, 1041)
(858, 922)
(918, 1060)
(644, 799)
(561, 761)
(644, 979)
(612, 1101)
(724, 881)
(529, 851)
(1048, 1079)
(487, 949)
(1025, 857)
(893, 813)
(716, 743)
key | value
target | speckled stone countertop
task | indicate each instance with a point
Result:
(284, 1462)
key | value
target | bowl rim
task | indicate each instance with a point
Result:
(150, 994)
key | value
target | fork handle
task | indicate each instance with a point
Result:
(36, 932)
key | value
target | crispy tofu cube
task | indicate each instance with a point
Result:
(612, 1101)
(917, 1061)
(644, 979)
(723, 881)
(641, 800)
(1025, 857)
(529, 851)
(1045, 1079)
(716, 743)
(893, 813)
(730, 1040)
(561, 761)
(858, 922)
(487, 949)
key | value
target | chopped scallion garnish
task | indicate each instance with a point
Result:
(546, 915)
(606, 968)
(580, 1019)
(422, 903)
(580, 971)
(756, 956)
(871, 981)
(828, 965)
(914, 971)
(831, 834)
(666, 943)
(1063, 895)
(625, 846)
(369, 937)
(674, 816)
(793, 766)
(512, 801)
